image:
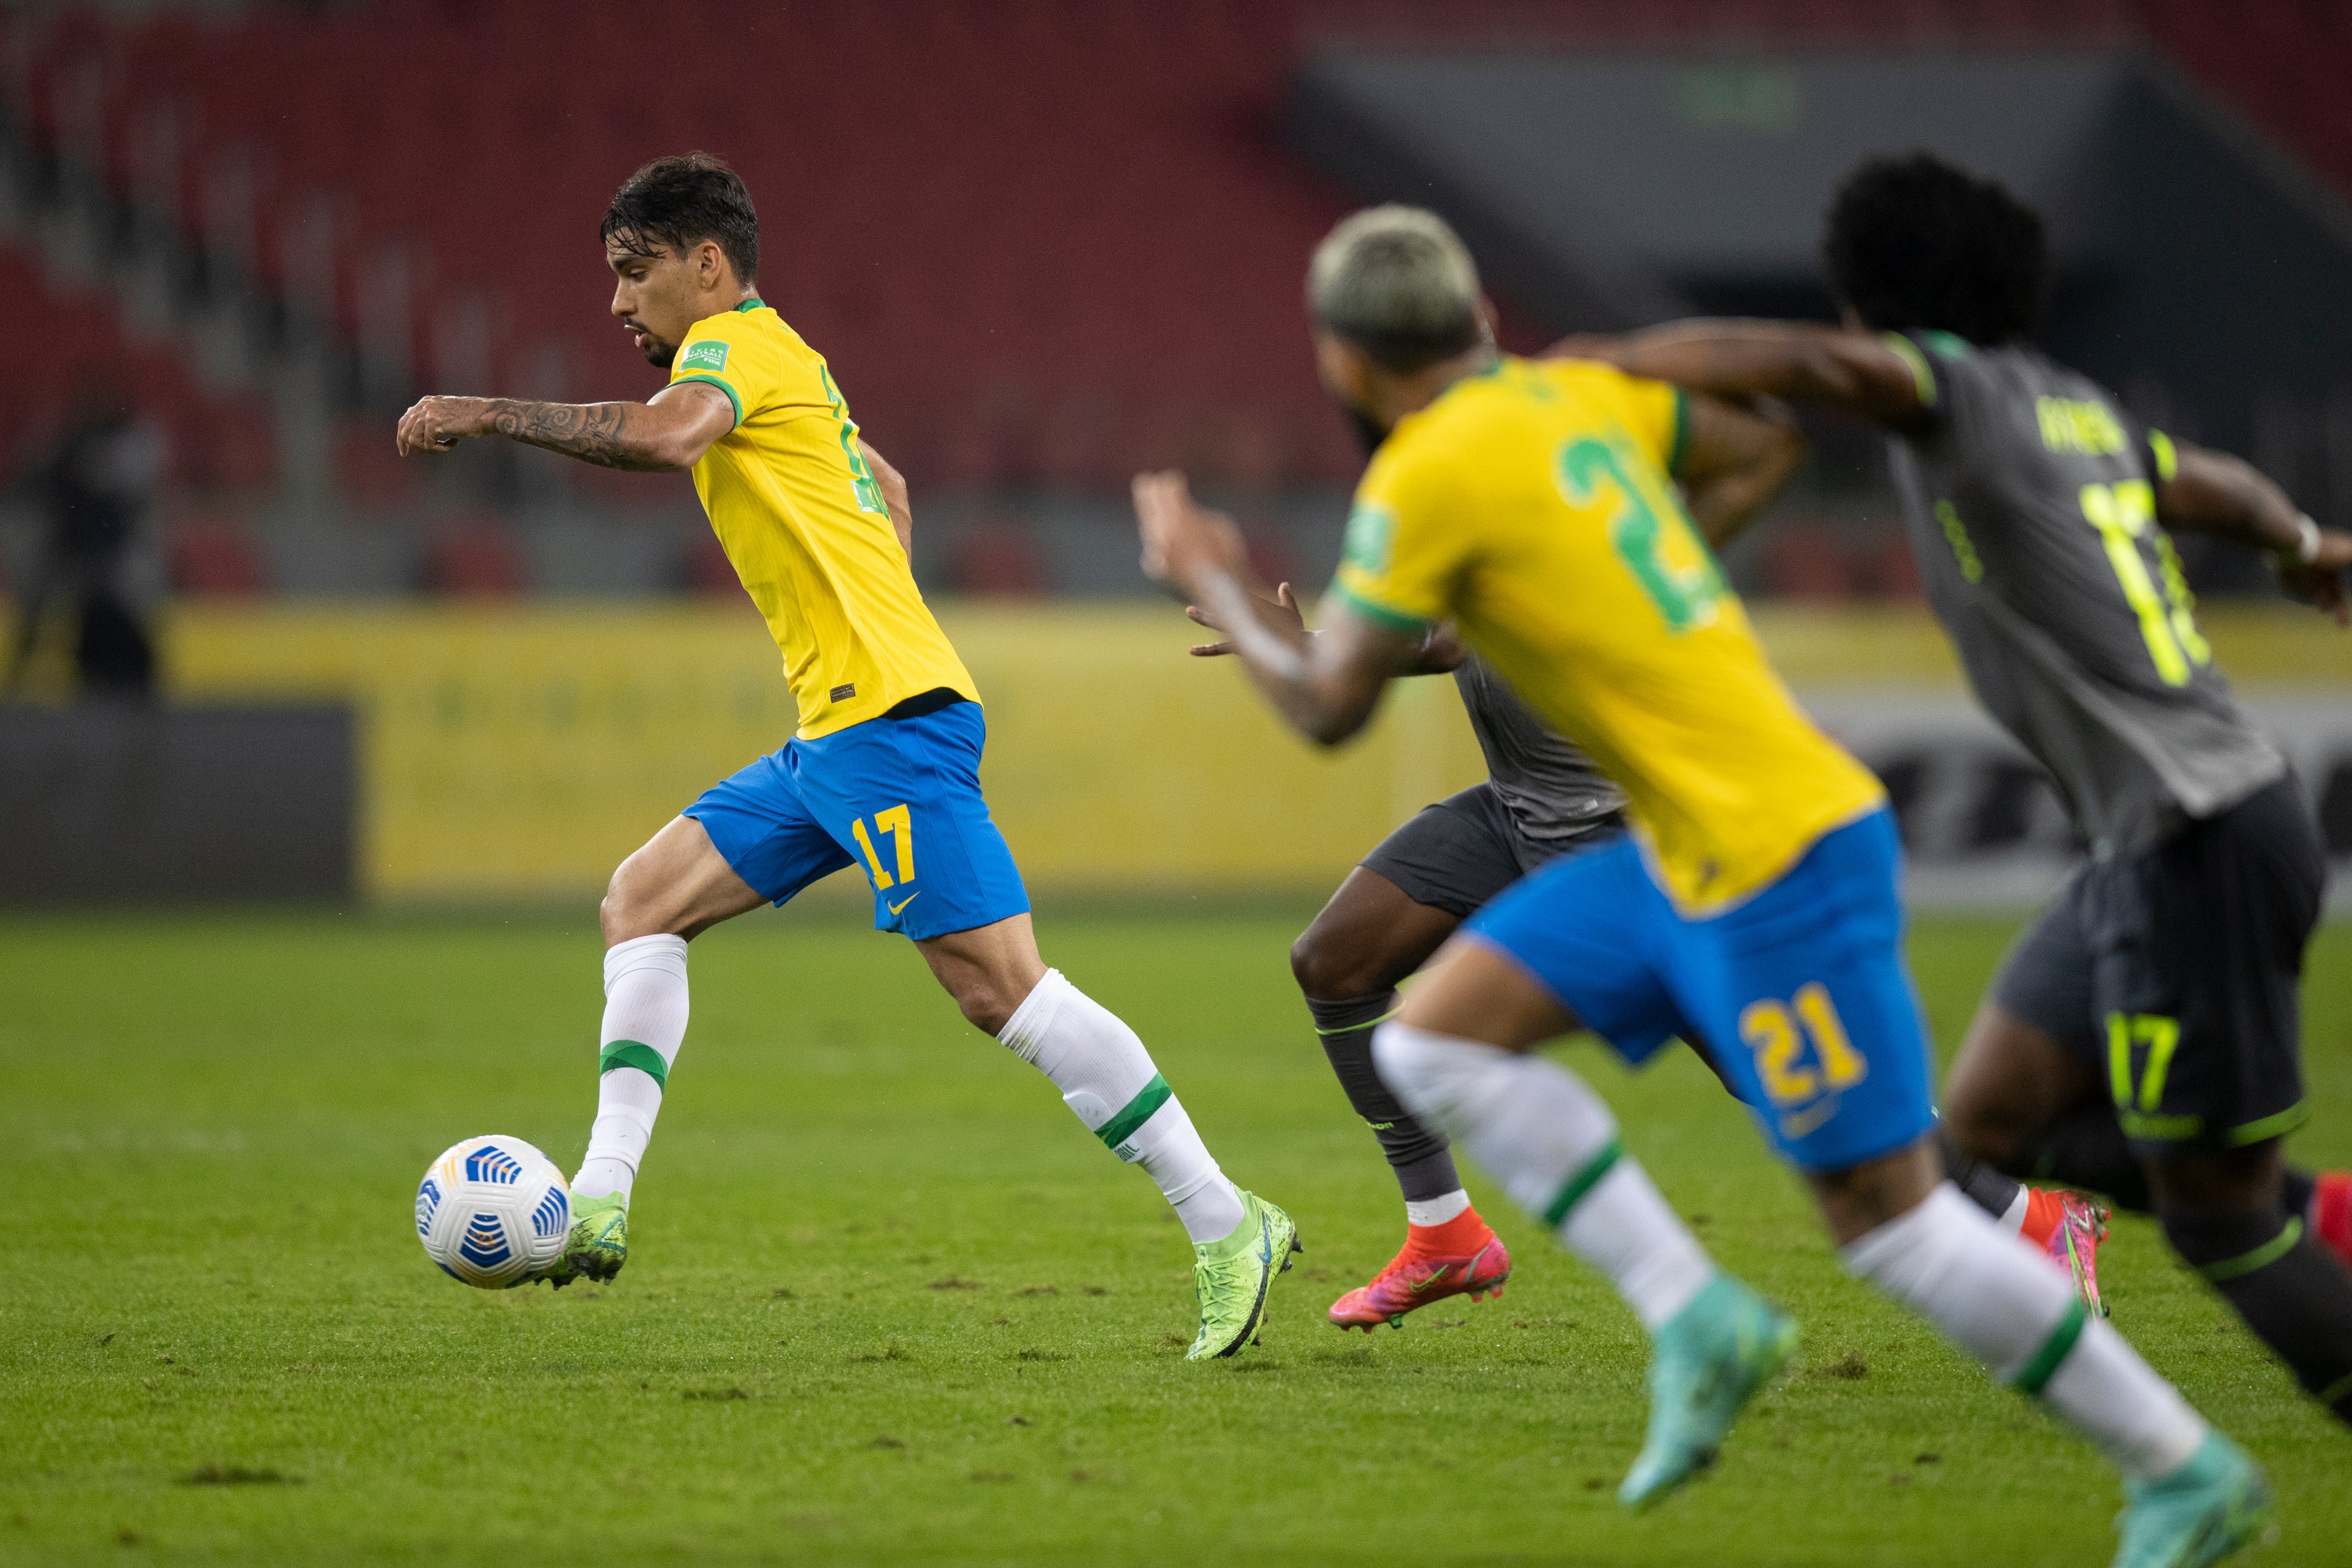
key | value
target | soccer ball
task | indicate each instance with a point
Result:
(493, 1212)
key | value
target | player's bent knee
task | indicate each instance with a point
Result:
(636, 905)
(1326, 971)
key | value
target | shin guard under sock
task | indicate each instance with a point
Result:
(1417, 1152)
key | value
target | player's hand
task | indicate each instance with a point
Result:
(439, 423)
(1284, 604)
(1184, 543)
(2320, 580)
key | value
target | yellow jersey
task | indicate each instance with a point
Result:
(796, 509)
(1532, 505)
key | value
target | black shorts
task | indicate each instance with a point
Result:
(2174, 972)
(1462, 852)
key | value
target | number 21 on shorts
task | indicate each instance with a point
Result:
(900, 826)
(1771, 1030)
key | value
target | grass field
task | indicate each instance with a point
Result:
(889, 1303)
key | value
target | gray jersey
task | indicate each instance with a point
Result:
(1552, 788)
(2029, 499)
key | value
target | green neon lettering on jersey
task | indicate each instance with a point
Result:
(1685, 597)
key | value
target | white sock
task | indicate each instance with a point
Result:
(1535, 1128)
(2012, 1218)
(645, 1023)
(1950, 1264)
(1436, 1210)
(1106, 1078)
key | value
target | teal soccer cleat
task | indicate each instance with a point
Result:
(598, 1243)
(2199, 1514)
(1707, 1361)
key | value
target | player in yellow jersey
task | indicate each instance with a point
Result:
(1754, 904)
(883, 773)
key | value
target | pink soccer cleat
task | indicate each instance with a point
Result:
(1421, 1274)
(2068, 1227)
(2330, 1219)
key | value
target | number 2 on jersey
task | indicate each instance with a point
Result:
(2124, 513)
(1647, 530)
(900, 826)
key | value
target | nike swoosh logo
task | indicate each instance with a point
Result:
(1266, 1241)
(904, 902)
(1432, 1283)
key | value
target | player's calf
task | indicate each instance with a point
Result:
(2193, 1497)
(2293, 1293)
(1552, 1144)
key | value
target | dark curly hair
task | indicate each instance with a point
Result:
(1916, 242)
(675, 203)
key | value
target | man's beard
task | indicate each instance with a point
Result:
(1367, 432)
(659, 354)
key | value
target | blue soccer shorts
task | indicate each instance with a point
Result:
(1799, 993)
(899, 797)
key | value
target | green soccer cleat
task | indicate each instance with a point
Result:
(1231, 1277)
(2199, 1513)
(597, 1244)
(1706, 1362)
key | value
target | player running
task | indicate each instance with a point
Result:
(1542, 799)
(2143, 1038)
(884, 771)
(1755, 900)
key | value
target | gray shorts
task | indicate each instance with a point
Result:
(1462, 852)
(2173, 972)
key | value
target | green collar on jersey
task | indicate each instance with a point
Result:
(754, 303)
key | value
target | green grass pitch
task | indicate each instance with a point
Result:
(889, 1303)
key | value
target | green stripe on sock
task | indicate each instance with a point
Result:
(629, 1054)
(1139, 1111)
(1582, 1182)
(2261, 1256)
(1352, 1027)
(2054, 1352)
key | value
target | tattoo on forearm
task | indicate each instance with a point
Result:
(595, 433)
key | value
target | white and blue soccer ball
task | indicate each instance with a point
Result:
(493, 1212)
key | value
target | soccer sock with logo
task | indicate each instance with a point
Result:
(2288, 1289)
(1417, 1152)
(1552, 1144)
(645, 1023)
(2022, 1320)
(1108, 1079)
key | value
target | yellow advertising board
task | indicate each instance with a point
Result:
(520, 753)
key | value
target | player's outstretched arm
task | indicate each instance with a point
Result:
(2215, 493)
(663, 436)
(1324, 685)
(1734, 461)
(1441, 648)
(1853, 371)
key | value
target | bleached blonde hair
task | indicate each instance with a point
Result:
(1399, 284)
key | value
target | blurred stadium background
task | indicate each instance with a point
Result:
(1043, 242)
